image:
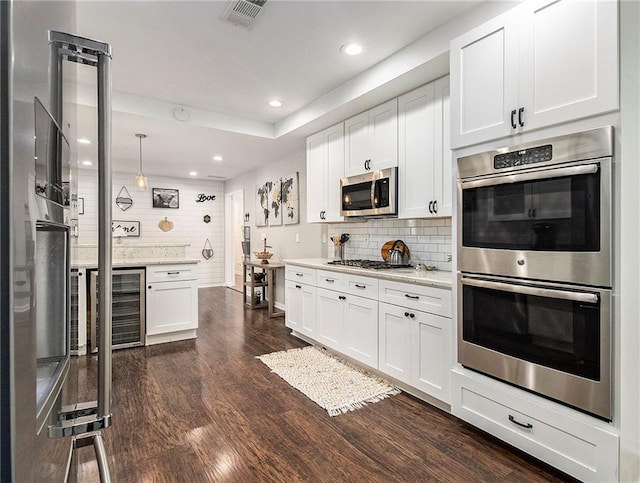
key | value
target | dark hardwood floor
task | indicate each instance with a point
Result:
(207, 410)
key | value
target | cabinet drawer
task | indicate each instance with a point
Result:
(171, 273)
(362, 286)
(300, 274)
(418, 297)
(330, 280)
(576, 445)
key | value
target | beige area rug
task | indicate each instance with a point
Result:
(334, 385)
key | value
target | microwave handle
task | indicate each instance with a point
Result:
(532, 176)
(375, 190)
(584, 297)
(373, 193)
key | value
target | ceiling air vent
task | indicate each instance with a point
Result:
(243, 13)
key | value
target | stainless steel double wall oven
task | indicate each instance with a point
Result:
(534, 254)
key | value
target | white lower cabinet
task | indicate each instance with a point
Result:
(394, 342)
(414, 347)
(172, 303)
(348, 324)
(330, 316)
(361, 329)
(577, 444)
(301, 307)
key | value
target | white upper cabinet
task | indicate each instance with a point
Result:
(541, 63)
(568, 60)
(371, 139)
(325, 167)
(424, 155)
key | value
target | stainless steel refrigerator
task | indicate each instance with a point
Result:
(41, 419)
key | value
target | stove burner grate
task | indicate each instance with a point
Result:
(370, 264)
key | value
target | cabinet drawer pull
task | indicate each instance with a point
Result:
(412, 297)
(518, 423)
(173, 273)
(299, 274)
(329, 280)
(360, 286)
(298, 286)
(342, 297)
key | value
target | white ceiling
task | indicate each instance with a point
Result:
(169, 54)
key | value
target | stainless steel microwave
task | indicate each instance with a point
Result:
(370, 194)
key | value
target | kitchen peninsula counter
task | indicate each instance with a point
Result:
(134, 262)
(134, 255)
(429, 278)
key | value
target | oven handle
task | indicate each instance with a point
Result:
(584, 297)
(532, 176)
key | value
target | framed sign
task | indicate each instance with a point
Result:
(165, 198)
(131, 228)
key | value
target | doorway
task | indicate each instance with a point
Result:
(234, 222)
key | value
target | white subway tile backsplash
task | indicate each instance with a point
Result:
(429, 240)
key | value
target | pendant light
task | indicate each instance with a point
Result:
(141, 179)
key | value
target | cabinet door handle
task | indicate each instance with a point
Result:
(412, 297)
(435, 206)
(533, 213)
(430, 206)
(513, 119)
(520, 116)
(518, 423)
(342, 297)
(149, 287)
(360, 286)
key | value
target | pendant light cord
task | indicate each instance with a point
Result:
(140, 136)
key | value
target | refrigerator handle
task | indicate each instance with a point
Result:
(84, 421)
(104, 235)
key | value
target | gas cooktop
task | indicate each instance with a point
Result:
(371, 264)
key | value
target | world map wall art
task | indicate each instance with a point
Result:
(277, 202)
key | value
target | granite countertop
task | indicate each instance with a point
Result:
(133, 262)
(432, 278)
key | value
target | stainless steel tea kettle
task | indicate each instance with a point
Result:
(398, 254)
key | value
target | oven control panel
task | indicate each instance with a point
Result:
(522, 157)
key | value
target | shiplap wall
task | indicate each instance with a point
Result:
(189, 226)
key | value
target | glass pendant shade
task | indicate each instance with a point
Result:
(141, 180)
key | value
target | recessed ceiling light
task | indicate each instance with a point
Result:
(84, 141)
(217, 157)
(193, 173)
(87, 163)
(275, 103)
(351, 49)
